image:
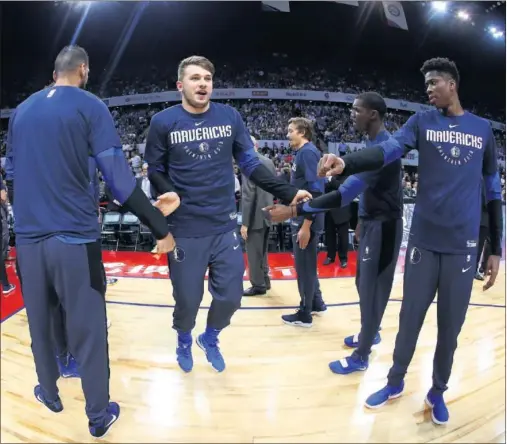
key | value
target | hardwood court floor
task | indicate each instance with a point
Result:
(277, 386)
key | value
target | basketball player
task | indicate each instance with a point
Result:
(50, 137)
(456, 149)
(306, 229)
(67, 365)
(189, 150)
(381, 230)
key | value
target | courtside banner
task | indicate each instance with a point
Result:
(247, 93)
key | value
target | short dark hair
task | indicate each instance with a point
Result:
(373, 101)
(203, 62)
(304, 126)
(441, 65)
(70, 58)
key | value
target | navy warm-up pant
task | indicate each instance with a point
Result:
(188, 262)
(59, 331)
(53, 273)
(58, 325)
(427, 272)
(58, 318)
(379, 247)
(306, 269)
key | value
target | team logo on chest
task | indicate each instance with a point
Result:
(454, 156)
(203, 147)
(455, 147)
(203, 151)
(201, 143)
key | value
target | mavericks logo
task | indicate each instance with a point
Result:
(178, 254)
(394, 11)
(455, 147)
(201, 142)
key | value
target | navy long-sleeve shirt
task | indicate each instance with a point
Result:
(195, 152)
(455, 152)
(380, 190)
(50, 138)
(304, 177)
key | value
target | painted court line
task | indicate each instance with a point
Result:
(112, 275)
(278, 307)
(13, 313)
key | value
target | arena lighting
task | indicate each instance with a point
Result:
(439, 6)
(495, 32)
(463, 15)
(74, 4)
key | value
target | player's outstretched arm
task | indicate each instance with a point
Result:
(348, 191)
(493, 190)
(107, 151)
(249, 164)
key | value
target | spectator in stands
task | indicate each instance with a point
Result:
(145, 184)
(414, 189)
(407, 189)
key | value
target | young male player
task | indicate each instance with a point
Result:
(50, 137)
(456, 150)
(381, 232)
(306, 229)
(189, 151)
(381, 229)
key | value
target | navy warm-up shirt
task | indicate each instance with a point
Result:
(455, 152)
(382, 194)
(51, 136)
(196, 152)
(304, 177)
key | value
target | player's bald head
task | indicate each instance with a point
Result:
(70, 59)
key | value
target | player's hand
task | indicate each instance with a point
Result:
(301, 196)
(358, 230)
(492, 268)
(278, 213)
(303, 237)
(168, 203)
(330, 165)
(165, 245)
(244, 232)
(3, 196)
